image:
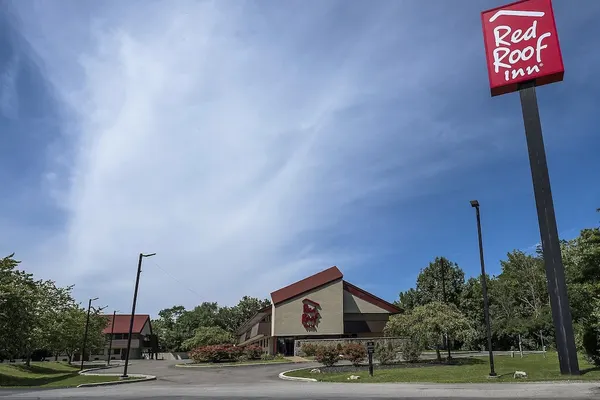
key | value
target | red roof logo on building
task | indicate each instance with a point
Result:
(310, 314)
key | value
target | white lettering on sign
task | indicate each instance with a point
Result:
(505, 56)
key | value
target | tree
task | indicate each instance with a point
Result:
(428, 323)
(442, 281)
(206, 336)
(408, 300)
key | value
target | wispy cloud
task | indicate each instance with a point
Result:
(230, 137)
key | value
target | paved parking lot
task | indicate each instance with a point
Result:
(166, 372)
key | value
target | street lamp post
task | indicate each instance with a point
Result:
(112, 330)
(87, 323)
(486, 306)
(135, 292)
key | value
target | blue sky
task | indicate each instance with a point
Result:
(250, 144)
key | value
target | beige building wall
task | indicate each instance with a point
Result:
(355, 305)
(287, 316)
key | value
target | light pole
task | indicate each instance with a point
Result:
(135, 292)
(486, 307)
(112, 330)
(87, 323)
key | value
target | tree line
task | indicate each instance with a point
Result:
(179, 329)
(39, 319)
(445, 311)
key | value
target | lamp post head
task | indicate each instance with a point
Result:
(474, 203)
(148, 255)
(94, 299)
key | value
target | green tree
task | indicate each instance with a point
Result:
(442, 280)
(206, 336)
(427, 324)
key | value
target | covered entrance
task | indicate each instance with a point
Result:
(285, 346)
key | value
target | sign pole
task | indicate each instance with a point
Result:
(555, 273)
(370, 350)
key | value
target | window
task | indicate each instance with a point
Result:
(116, 351)
(125, 335)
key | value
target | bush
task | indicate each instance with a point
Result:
(327, 355)
(309, 349)
(253, 352)
(267, 357)
(411, 350)
(385, 354)
(216, 353)
(590, 339)
(355, 353)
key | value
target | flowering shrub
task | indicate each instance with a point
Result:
(355, 353)
(216, 353)
(253, 352)
(327, 355)
(309, 349)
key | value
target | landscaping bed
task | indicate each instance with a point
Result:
(233, 363)
(46, 374)
(463, 370)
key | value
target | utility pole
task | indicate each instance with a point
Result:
(112, 330)
(135, 292)
(486, 306)
(87, 324)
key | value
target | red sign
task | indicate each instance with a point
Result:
(310, 314)
(521, 44)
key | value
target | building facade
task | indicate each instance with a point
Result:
(322, 306)
(143, 342)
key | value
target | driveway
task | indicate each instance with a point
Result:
(167, 373)
(261, 382)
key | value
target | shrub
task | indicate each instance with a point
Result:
(253, 352)
(411, 350)
(327, 355)
(385, 354)
(267, 357)
(208, 336)
(591, 344)
(355, 353)
(216, 353)
(309, 349)
(279, 356)
(340, 348)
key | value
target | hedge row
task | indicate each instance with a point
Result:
(225, 353)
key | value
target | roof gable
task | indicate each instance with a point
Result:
(370, 298)
(307, 284)
(122, 322)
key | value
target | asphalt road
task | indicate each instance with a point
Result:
(261, 382)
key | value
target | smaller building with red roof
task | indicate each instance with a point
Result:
(322, 306)
(143, 342)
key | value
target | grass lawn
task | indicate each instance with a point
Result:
(467, 370)
(46, 374)
(226, 364)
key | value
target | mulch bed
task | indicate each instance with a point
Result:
(365, 367)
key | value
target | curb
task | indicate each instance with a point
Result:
(235, 365)
(89, 372)
(283, 376)
(143, 378)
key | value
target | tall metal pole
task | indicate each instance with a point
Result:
(135, 292)
(112, 330)
(87, 323)
(486, 306)
(555, 271)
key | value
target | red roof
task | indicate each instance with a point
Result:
(122, 322)
(312, 282)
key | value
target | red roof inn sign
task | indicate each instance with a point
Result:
(310, 314)
(521, 44)
(522, 52)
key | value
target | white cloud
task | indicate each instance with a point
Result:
(226, 139)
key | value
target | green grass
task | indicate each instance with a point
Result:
(467, 370)
(46, 374)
